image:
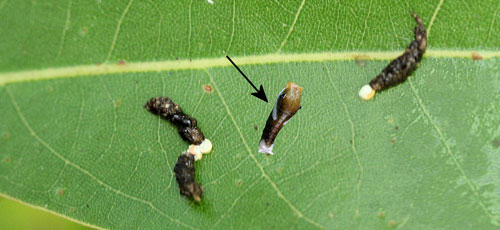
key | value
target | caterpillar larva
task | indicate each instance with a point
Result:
(400, 68)
(287, 104)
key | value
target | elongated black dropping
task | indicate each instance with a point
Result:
(184, 174)
(400, 68)
(186, 125)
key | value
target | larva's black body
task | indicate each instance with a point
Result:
(287, 104)
(400, 68)
(184, 174)
(186, 125)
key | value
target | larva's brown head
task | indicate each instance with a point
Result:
(291, 97)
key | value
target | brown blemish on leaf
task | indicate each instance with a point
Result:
(207, 88)
(84, 31)
(256, 127)
(396, 128)
(239, 183)
(476, 56)
(381, 215)
(121, 62)
(496, 142)
(118, 103)
(6, 135)
(61, 191)
(72, 209)
(360, 60)
(392, 224)
(7, 160)
(393, 140)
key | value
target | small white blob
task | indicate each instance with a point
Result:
(194, 150)
(210, 1)
(206, 146)
(264, 149)
(198, 156)
(366, 92)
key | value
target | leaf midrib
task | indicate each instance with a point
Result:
(205, 63)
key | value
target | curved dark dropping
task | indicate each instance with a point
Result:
(184, 174)
(186, 125)
(400, 68)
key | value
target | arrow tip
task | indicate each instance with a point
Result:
(261, 94)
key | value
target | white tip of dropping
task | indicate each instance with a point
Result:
(195, 151)
(366, 92)
(264, 149)
(206, 146)
(198, 157)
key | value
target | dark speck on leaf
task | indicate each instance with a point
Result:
(87, 205)
(256, 127)
(496, 142)
(7, 160)
(476, 56)
(396, 128)
(360, 60)
(61, 191)
(207, 88)
(85, 30)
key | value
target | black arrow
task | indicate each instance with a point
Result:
(260, 92)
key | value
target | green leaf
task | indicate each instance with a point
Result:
(76, 140)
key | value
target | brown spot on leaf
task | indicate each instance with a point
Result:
(496, 142)
(393, 140)
(476, 56)
(6, 135)
(207, 88)
(84, 31)
(392, 224)
(396, 128)
(7, 160)
(255, 127)
(121, 62)
(381, 214)
(118, 103)
(72, 209)
(61, 191)
(360, 60)
(239, 183)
